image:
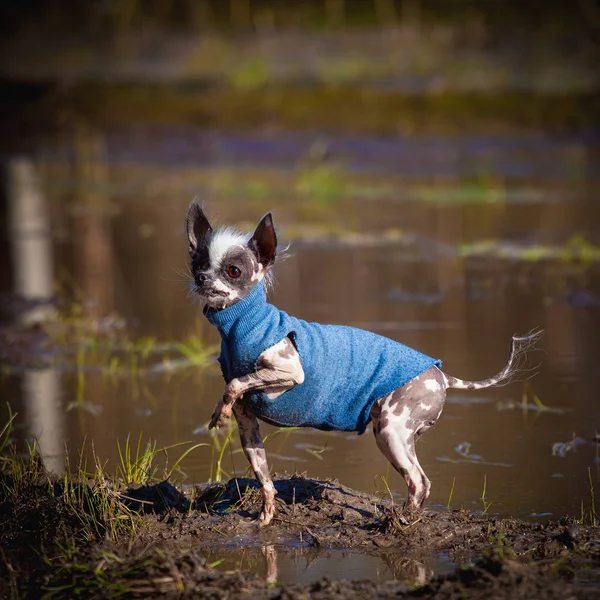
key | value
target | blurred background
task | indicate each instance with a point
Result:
(433, 164)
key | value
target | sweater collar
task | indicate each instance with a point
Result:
(226, 319)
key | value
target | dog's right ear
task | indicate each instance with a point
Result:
(197, 226)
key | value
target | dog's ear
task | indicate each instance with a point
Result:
(264, 241)
(197, 226)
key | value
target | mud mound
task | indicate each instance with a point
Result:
(155, 498)
(161, 554)
(326, 514)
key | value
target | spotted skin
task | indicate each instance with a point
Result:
(399, 418)
(402, 417)
(254, 449)
(279, 368)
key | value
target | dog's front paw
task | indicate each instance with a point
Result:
(221, 416)
(268, 508)
(217, 421)
(266, 515)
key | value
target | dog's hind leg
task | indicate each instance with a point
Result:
(402, 417)
(397, 444)
(254, 449)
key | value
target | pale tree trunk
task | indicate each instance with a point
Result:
(30, 240)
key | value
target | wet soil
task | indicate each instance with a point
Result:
(44, 546)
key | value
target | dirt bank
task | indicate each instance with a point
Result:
(59, 539)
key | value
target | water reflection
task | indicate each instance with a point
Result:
(45, 418)
(399, 271)
(305, 565)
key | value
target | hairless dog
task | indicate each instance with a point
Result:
(291, 373)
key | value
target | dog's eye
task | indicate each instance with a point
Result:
(233, 271)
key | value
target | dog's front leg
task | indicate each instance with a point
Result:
(235, 389)
(254, 449)
(279, 367)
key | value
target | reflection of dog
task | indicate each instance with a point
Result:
(293, 373)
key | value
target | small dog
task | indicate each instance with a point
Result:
(288, 372)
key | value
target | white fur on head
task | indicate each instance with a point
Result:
(222, 240)
(225, 238)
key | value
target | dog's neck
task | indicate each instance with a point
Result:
(228, 318)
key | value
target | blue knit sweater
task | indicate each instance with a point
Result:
(346, 369)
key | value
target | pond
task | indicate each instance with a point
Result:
(449, 245)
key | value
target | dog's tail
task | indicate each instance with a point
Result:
(518, 349)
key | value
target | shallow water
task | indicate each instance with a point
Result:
(398, 261)
(305, 565)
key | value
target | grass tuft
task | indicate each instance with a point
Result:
(486, 504)
(6, 431)
(448, 504)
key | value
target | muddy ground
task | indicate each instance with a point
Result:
(49, 549)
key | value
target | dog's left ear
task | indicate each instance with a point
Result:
(264, 241)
